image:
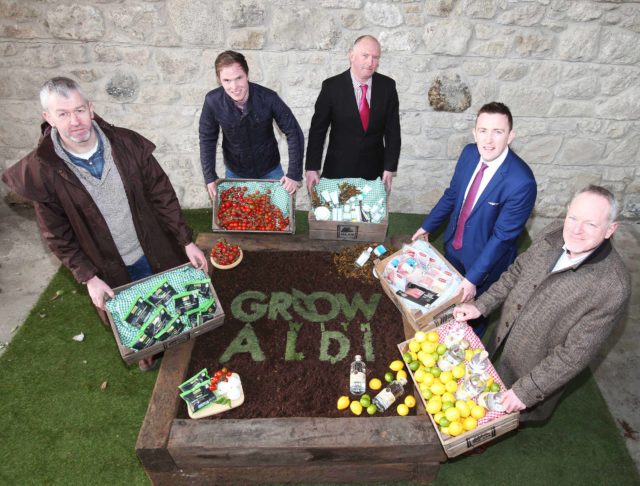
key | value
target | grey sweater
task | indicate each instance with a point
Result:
(553, 323)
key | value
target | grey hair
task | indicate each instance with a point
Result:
(605, 193)
(60, 86)
(365, 36)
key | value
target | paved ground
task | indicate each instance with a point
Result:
(26, 266)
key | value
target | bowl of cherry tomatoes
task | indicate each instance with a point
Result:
(225, 255)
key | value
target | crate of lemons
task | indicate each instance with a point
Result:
(453, 416)
(365, 402)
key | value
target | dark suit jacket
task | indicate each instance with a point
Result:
(496, 221)
(352, 152)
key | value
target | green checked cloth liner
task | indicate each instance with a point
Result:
(119, 306)
(279, 197)
(376, 193)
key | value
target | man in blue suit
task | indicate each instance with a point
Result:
(488, 201)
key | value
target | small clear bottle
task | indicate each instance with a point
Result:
(364, 257)
(452, 357)
(471, 387)
(389, 395)
(492, 401)
(358, 376)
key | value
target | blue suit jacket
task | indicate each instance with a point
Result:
(496, 221)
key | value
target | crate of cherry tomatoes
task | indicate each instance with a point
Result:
(253, 206)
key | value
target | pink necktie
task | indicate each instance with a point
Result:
(467, 206)
(364, 107)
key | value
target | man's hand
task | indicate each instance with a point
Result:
(421, 233)
(467, 290)
(313, 178)
(97, 288)
(387, 179)
(196, 257)
(212, 187)
(511, 402)
(465, 312)
(289, 185)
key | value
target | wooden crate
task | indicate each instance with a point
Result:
(290, 229)
(131, 356)
(344, 230)
(454, 446)
(420, 321)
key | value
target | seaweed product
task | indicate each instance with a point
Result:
(203, 287)
(199, 397)
(173, 328)
(142, 339)
(162, 294)
(200, 377)
(139, 312)
(157, 321)
(185, 302)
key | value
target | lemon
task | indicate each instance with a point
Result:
(490, 381)
(444, 430)
(446, 376)
(471, 404)
(469, 423)
(452, 414)
(437, 389)
(414, 346)
(464, 409)
(448, 397)
(375, 384)
(434, 405)
(356, 408)
(343, 402)
(468, 354)
(477, 350)
(428, 347)
(478, 412)
(455, 428)
(419, 376)
(458, 371)
(396, 365)
(414, 355)
(420, 337)
(426, 359)
(437, 417)
(426, 393)
(428, 378)
(433, 336)
(451, 386)
(410, 401)
(402, 410)
(401, 375)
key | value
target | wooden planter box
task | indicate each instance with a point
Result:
(290, 229)
(338, 230)
(419, 321)
(132, 356)
(278, 450)
(454, 446)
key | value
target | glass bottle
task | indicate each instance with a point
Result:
(471, 387)
(358, 376)
(452, 357)
(491, 401)
(389, 395)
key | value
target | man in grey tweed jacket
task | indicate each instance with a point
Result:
(561, 300)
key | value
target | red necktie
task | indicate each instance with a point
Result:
(364, 107)
(467, 206)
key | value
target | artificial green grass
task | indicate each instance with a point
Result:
(57, 426)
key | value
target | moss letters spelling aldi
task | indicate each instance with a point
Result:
(252, 305)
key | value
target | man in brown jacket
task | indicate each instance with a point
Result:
(103, 204)
(561, 300)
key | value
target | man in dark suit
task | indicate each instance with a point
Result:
(361, 107)
(488, 201)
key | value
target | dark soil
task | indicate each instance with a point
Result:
(302, 387)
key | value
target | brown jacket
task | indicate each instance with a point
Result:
(71, 223)
(553, 324)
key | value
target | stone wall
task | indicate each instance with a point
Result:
(567, 68)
